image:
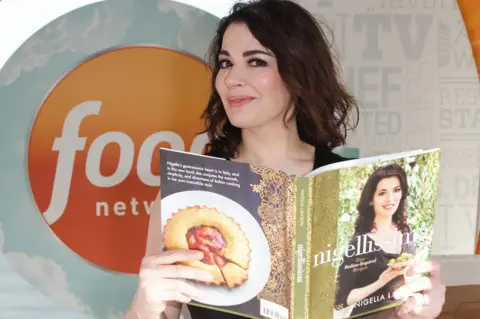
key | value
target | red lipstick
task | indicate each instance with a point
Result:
(239, 100)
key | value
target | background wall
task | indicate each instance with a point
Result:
(409, 62)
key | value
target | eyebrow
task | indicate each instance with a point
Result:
(247, 53)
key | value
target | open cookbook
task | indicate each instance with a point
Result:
(335, 243)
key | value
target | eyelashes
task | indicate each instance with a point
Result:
(223, 64)
(255, 62)
(396, 190)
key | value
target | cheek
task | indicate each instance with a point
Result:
(220, 82)
(268, 81)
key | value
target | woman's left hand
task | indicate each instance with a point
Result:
(427, 293)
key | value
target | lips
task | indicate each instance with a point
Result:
(389, 206)
(237, 101)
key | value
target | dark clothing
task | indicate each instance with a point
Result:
(322, 157)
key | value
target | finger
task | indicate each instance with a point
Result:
(182, 287)
(415, 303)
(417, 285)
(406, 307)
(177, 271)
(409, 275)
(176, 296)
(172, 256)
(427, 267)
(157, 296)
(432, 268)
(403, 264)
(181, 298)
(420, 301)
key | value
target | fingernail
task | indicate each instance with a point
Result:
(397, 295)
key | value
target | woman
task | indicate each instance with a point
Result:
(276, 101)
(381, 224)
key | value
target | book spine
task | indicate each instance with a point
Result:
(322, 239)
(308, 255)
(300, 303)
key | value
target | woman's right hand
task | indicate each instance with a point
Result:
(161, 281)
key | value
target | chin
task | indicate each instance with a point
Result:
(244, 122)
(386, 214)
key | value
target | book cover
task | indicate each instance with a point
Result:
(369, 225)
(283, 246)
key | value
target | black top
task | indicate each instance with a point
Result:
(322, 157)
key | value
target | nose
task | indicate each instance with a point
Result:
(390, 196)
(234, 77)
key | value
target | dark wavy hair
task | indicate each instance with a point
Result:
(306, 65)
(365, 221)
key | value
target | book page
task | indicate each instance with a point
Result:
(238, 215)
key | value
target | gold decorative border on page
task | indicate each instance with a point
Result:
(276, 191)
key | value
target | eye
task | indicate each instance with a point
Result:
(381, 193)
(222, 64)
(398, 189)
(257, 62)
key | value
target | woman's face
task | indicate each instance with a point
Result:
(248, 82)
(387, 196)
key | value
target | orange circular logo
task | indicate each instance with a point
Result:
(93, 157)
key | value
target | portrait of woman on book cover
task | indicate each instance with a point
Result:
(382, 244)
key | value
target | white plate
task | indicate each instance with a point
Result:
(260, 263)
